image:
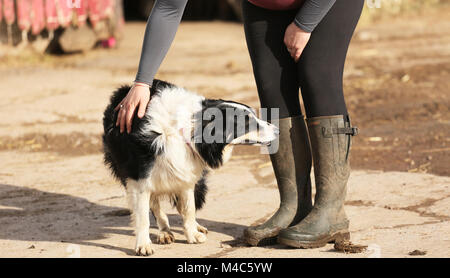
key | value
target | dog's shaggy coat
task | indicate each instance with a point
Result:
(165, 156)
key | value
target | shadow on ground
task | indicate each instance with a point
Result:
(33, 215)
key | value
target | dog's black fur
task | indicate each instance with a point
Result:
(128, 155)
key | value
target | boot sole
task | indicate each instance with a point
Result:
(339, 236)
(269, 239)
(262, 242)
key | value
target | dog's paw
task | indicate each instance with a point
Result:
(166, 237)
(202, 229)
(145, 250)
(196, 237)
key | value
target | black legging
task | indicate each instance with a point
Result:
(319, 71)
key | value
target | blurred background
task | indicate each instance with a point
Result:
(396, 79)
(59, 64)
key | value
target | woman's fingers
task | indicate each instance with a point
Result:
(142, 108)
(137, 98)
(295, 40)
(292, 51)
(118, 106)
(118, 114)
(297, 54)
(143, 102)
(125, 117)
(129, 117)
(122, 114)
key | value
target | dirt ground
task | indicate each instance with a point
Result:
(58, 200)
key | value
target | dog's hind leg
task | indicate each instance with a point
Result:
(139, 202)
(165, 236)
(186, 207)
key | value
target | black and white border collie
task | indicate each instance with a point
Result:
(167, 154)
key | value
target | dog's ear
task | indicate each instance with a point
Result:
(209, 136)
(212, 153)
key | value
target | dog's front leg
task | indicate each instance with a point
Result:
(186, 207)
(139, 201)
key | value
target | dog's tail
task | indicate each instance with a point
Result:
(200, 191)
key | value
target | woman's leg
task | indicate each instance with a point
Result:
(276, 79)
(274, 70)
(320, 72)
(321, 65)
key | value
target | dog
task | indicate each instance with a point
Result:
(169, 152)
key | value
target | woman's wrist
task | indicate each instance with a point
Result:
(141, 84)
(301, 27)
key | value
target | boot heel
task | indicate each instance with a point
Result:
(345, 236)
(267, 242)
(260, 239)
(342, 237)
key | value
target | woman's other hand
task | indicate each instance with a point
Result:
(295, 40)
(137, 97)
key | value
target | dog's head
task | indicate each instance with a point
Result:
(225, 123)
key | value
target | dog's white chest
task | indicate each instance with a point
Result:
(176, 174)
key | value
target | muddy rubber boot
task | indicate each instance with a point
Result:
(292, 167)
(330, 140)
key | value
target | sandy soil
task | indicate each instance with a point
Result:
(58, 200)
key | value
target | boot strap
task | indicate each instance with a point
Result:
(328, 132)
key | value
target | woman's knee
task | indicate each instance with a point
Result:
(320, 79)
(322, 92)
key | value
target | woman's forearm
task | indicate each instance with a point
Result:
(161, 28)
(311, 13)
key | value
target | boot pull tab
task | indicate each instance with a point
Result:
(328, 132)
(353, 131)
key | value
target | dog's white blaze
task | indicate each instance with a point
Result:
(239, 106)
(265, 132)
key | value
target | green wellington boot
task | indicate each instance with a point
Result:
(292, 167)
(330, 140)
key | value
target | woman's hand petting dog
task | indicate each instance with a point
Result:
(295, 40)
(139, 95)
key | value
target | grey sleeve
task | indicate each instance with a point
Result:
(162, 26)
(311, 13)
